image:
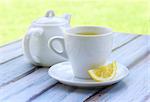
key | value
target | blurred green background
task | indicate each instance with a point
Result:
(132, 16)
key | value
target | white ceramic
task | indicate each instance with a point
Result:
(36, 39)
(84, 51)
(63, 73)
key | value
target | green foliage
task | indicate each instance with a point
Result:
(122, 15)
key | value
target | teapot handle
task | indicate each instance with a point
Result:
(33, 32)
(50, 13)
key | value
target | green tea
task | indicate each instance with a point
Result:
(87, 33)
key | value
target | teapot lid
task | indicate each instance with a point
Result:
(51, 19)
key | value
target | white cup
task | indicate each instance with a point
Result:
(84, 51)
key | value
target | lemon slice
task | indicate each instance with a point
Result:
(103, 73)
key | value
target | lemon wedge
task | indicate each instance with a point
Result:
(103, 73)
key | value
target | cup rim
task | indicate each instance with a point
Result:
(98, 35)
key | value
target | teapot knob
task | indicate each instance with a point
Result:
(67, 17)
(50, 13)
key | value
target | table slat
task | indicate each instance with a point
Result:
(122, 38)
(27, 87)
(81, 94)
(10, 51)
(33, 95)
(54, 95)
(14, 50)
(134, 88)
(148, 41)
(138, 45)
(14, 70)
(20, 67)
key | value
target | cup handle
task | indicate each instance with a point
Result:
(35, 32)
(61, 41)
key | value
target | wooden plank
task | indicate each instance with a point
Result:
(8, 44)
(121, 39)
(19, 67)
(10, 51)
(27, 87)
(134, 88)
(14, 50)
(138, 45)
(147, 97)
(54, 93)
(81, 94)
(15, 70)
(78, 95)
(148, 41)
(33, 95)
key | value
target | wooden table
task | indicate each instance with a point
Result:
(22, 82)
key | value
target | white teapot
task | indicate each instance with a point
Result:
(35, 42)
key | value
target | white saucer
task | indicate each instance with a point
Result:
(63, 73)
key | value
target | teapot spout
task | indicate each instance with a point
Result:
(67, 17)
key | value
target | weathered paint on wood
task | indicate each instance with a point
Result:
(20, 67)
(78, 95)
(27, 87)
(14, 70)
(10, 51)
(56, 93)
(134, 88)
(64, 93)
(148, 42)
(130, 50)
(121, 39)
(14, 50)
